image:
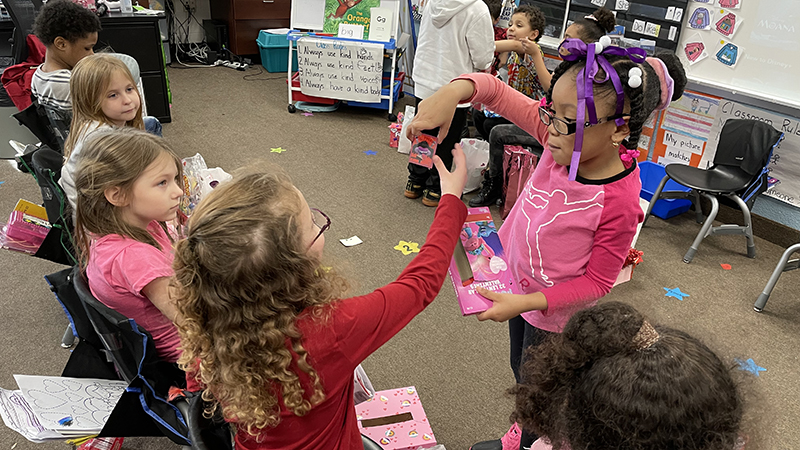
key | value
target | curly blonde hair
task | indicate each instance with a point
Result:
(242, 277)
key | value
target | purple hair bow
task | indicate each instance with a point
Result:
(594, 53)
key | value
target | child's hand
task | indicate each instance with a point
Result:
(530, 47)
(438, 109)
(452, 182)
(508, 306)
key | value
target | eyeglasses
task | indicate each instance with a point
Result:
(566, 128)
(321, 220)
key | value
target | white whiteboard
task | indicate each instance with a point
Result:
(769, 41)
(308, 14)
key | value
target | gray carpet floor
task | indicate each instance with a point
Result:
(459, 365)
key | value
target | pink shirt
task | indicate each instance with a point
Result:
(119, 268)
(566, 239)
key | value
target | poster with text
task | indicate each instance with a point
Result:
(684, 129)
(354, 12)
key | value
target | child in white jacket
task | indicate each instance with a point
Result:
(455, 37)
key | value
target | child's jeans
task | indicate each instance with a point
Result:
(484, 124)
(503, 135)
(524, 337)
(430, 177)
(152, 125)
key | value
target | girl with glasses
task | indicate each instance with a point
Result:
(268, 332)
(570, 230)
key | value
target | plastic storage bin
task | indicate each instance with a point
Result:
(651, 175)
(274, 49)
(384, 104)
(298, 96)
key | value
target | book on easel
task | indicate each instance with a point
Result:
(350, 12)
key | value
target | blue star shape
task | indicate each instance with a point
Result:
(370, 152)
(676, 292)
(749, 366)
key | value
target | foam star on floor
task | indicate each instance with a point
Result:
(277, 150)
(370, 152)
(676, 292)
(407, 247)
(749, 365)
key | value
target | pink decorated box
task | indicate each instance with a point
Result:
(395, 420)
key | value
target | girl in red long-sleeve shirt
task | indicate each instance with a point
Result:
(264, 327)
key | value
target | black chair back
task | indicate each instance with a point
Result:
(58, 245)
(133, 353)
(50, 127)
(746, 144)
(23, 13)
(744, 151)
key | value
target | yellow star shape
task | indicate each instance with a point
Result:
(277, 150)
(407, 247)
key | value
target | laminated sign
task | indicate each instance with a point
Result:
(343, 70)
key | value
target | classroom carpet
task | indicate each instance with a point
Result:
(458, 365)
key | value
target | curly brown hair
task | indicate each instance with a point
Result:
(591, 387)
(242, 278)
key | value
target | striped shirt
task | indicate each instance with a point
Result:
(52, 88)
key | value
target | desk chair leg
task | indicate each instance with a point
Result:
(704, 230)
(748, 224)
(654, 199)
(784, 265)
(698, 210)
(69, 338)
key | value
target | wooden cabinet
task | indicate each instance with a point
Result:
(246, 17)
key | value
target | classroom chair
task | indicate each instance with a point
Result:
(143, 410)
(784, 265)
(57, 247)
(51, 127)
(23, 13)
(739, 173)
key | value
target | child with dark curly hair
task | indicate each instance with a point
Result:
(271, 334)
(69, 32)
(613, 380)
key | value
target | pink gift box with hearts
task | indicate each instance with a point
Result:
(395, 420)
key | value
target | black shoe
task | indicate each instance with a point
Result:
(496, 444)
(413, 190)
(491, 191)
(430, 198)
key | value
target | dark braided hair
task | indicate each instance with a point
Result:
(592, 387)
(592, 30)
(642, 100)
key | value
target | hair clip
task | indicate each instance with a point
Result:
(591, 17)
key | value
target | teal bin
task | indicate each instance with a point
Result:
(274, 49)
